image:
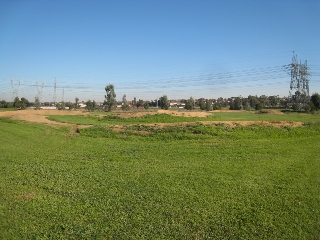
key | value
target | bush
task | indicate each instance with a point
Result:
(295, 107)
(258, 106)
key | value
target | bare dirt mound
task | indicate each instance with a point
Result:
(231, 124)
(226, 110)
(169, 112)
(271, 111)
(184, 114)
(39, 116)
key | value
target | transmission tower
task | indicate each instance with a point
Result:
(63, 103)
(40, 90)
(55, 92)
(299, 84)
(15, 88)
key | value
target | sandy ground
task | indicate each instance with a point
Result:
(39, 116)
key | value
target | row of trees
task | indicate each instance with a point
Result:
(110, 101)
(275, 102)
(17, 103)
(236, 103)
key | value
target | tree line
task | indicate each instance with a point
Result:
(234, 103)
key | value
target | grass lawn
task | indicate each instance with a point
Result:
(196, 182)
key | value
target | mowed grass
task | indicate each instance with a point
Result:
(196, 182)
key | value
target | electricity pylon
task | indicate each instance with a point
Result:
(15, 88)
(299, 84)
(40, 90)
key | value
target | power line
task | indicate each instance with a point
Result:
(252, 78)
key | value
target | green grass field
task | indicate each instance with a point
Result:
(191, 182)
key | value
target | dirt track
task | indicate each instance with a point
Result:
(39, 116)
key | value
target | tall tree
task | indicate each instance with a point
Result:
(295, 107)
(134, 102)
(315, 99)
(63, 105)
(25, 101)
(246, 106)
(77, 103)
(125, 106)
(110, 97)
(236, 104)
(139, 103)
(259, 106)
(3, 104)
(94, 105)
(89, 105)
(190, 104)
(16, 103)
(264, 100)
(37, 103)
(9, 104)
(253, 100)
(164, 102)
(217, 106)
(202, 104)
(283, 102)
(70, 105)
(146, 105)
(273, 100)
(209, 105)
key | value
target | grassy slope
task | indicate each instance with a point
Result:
(160, 118)
(232, 184)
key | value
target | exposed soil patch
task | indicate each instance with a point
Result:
(270, 112)
(39, 116)
(225, 110)
(169, 112)
(186, 113)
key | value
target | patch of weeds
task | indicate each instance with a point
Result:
(98, 131)
(156, 118)
(262, 112)
(7, 120)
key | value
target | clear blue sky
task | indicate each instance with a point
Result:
(148, 48)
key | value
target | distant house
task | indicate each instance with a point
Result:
(48, 108)
(174, 103)
(82, 105)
